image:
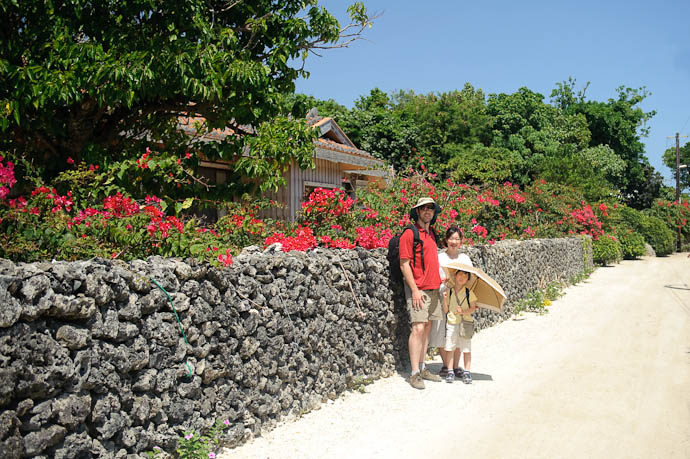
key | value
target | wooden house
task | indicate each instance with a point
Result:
(338, 164)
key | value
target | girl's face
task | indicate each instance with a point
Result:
(454, 241)
(461, 278)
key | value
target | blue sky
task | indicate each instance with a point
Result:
(501, 46)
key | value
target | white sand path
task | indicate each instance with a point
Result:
(606, 374)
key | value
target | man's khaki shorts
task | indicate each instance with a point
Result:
(431, 306)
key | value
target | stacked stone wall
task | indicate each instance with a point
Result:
(93, 362)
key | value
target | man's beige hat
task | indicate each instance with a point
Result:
(421, 202)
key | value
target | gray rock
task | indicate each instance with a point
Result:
(79, 307)
(35, 287)
(72, 410)
(72, 337)
(76, 445)
(145, 381)
(37, 442)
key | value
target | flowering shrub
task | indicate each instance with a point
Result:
(82, 213)
(7, 179)
(632, 245)
(326, 207)
(75, 224)
(302, 240)
(372, 237)
(606, 250)
(674, 215)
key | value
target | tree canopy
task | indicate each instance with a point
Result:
(482, 139)
(98, 80)
(670, 161)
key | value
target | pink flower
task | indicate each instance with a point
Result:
(70, 160)
(188, 436)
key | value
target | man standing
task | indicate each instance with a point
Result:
(420, 269)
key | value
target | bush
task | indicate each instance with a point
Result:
(657, 234)
(674, 215)
(606, 250)
(632, 244)
(631, 218)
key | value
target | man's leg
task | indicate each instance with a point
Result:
(427, 330)
(416, 343)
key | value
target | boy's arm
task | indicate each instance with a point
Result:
(445, 301)
(473, 308)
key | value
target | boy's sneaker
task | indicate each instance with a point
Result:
(467, 377)
(450, 376)
(416, 381)
(429, 376)
(443, 372)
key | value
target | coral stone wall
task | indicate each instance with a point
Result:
(94, 363)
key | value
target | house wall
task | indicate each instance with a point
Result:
(282, 196)
(325, 173)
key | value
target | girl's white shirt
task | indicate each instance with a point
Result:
(444, 257)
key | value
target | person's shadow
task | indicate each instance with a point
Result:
(435, 367)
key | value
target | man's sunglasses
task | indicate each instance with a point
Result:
(429, 207)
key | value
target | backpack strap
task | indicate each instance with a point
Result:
(415, 243)
(467, 296)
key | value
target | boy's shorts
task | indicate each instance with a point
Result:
(431, 306)
(455, 341)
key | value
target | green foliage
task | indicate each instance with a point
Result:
(486, 140)
(99, 81)
(675, 216)
(606, 250)
(632, 244)
(620, 124)
(533, 302)
(657, 234)
(195, 446)
(553, 290)
(670, 162)
(359, 383)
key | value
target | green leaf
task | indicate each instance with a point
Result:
(187, 203)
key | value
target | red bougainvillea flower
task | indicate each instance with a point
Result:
(226, 258)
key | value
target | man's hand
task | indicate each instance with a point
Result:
(417, 300)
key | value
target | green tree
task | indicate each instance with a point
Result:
(101, 80)
(619, 123)
(670, 162)
(448, 123)
(376, 125)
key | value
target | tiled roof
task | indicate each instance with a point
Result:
(335, 146)
(186, 125)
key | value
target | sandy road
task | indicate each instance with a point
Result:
(606, 374)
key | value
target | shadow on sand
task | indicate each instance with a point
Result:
(677, 287)
(435, 367)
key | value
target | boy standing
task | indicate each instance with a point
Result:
(459, 303)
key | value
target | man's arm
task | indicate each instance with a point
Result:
(406, 269)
